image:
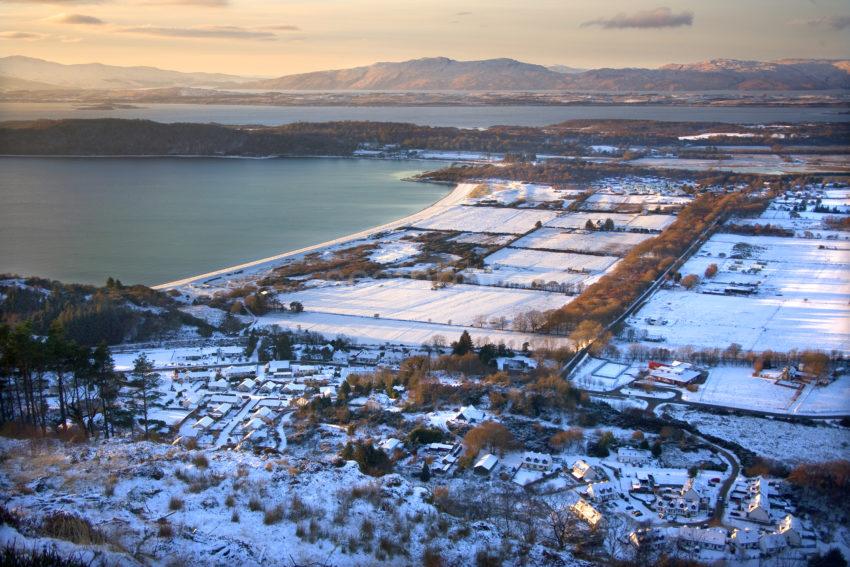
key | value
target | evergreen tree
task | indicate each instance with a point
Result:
(143, 387)
(464, 345)
(425, 475)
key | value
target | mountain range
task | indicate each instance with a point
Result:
(444, 74)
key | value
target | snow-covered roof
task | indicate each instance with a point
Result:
(470, 413)
(391, 444)
(587, 512)
(487, 462)
(744, 537)
(537, 459)
(278, 366)
(262, 412)
(709, 536)
(222, 409)
(247, 383)
(220, 383)
(204, 422)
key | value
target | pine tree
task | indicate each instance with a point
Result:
(143, 387)
(464, 345)
(425, 475)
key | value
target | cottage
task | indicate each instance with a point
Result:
(792, 529)
(630, 456)
(254, 424)
(279, 368)
(583, 471)
(239, 371)
(758, 510)
(469, 414)
(771, 544)
(294, 388)
(204, 423)
(246, 385)
(263, 413)
(486, 464)
(702, 538)
(744, 539)
(391, 445)
(268, 387)
(601, 491)
(536, 461)
(689, 493)
(586, 512)
(218, 385)
(220, 410)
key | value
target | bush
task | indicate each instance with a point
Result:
(200, 461)
(63, 525)
(254, 504)
(175, 503)
(164, 529)
(273, 515)
(234, 517)
(13, 556)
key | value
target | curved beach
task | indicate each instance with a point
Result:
(455, 197)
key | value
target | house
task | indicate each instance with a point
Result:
(629, 456)
(268, 387)
(792, 529)
(676, 373)
(246, 385)
(601, 491)
(239, 371)
(438, 448)
(677, 506)
(294, 388)
(650, 538)
(586, 512)
(486, 464)
(263, 413)
(279, 368)
(536, 461)
(469, 414)
(328, 391)
(220, 410)
(771, 544)
(254, 424)
(689, 493)
(391, 445)
(204, 423)
(744, 539)
(218, 385)
(758, 509)
(583, 471)
(702, 538)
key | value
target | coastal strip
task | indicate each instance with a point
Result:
(455, 197)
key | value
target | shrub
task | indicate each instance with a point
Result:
(200, 461)
(175, 503)
(19, 557)
(230, 501)
(273, 515)
(63, 525)
(234, 517)
(254, 504)
(164, 529)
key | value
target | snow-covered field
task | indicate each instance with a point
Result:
(514, 266)
(735, 386)
(517, 193)
(415, 300)
(787, 442)
(621, 220)
(369, 330)
(612, 243)
(802, 299)
(610, 201)
(486, 219)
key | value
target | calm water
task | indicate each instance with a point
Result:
(152, 220)
(459, 116)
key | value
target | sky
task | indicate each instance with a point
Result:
(279, 37)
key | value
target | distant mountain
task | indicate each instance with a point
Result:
(444, 74)
(433, 73)
(440, 73)
(98, 76)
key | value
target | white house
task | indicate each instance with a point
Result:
(792, 529)
(204, 423)
(254, 424)
(630, 456)
(469, 414)
(772, 543)
(486, 464)
(689, 492)
(758, 509)
(391, 445)
(263, 413)
(246, 385)
(536, 461)
(676, 373)
(601, 491)
(220, 410)
(745, 539)
(583, 471)
(586, 512)
(218, 385)
(702, 538)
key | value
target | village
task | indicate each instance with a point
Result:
(409, 367)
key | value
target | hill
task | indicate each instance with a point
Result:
(49, 75)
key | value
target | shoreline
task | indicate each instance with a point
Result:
(454, 197)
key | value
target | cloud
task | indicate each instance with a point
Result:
(203, 3)
(463, 14)
(27, 36)
(283, 27)
(80, 19)
(647, 19)
(204, 32)
(831, 22)
(59, 2)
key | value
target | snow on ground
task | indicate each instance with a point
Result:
(609, 201)
(398, 251)
(771, 164)
(787, 442)
(599, 375)
(483, 239)
(612, 243)
(518, 193)
(802, 299)
(417, 300)
(368, 330)
(735, 386)
(486, 219)
(621, 220)
(833, 399)
(514, 266)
